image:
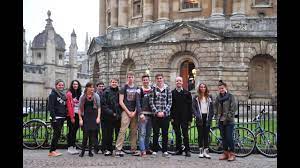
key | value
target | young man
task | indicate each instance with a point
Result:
(145, 117)
(181, 116)
(99, 90)
(111, 116)
(129, 100)
(160, 103)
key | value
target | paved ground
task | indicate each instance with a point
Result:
(39, 159)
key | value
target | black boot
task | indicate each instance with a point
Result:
(179, 152)
(90, 153)
(82, 153)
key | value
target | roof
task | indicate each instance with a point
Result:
(40, 40)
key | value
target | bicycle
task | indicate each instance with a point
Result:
(265, 141)
(244, 141)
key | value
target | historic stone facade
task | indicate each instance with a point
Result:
(45, 62)
(200, 40)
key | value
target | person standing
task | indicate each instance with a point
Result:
(226, 107)
(145, 117)
(130, 103)
(73, 95)
(204, 112)
(90, 111)
(99, 90)
(181, 116)
(160, 103)
(57, 107)
(111, 116)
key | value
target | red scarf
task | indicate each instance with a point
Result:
(83, 99)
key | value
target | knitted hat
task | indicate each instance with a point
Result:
(59, 80)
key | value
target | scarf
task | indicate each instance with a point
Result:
(61, 94)
(83, 99)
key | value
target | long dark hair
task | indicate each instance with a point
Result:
(206, 93)
(75, 93)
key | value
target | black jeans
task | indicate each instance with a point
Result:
(71, 137)
(184, 127)
(203, 131)
(226, 132)
(91, 136)
(162, 123)
(108, 128)
(57, 126)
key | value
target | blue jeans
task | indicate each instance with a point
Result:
(226, 132)
(144, 133)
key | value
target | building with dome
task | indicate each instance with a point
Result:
(45, 62)
(200, 40)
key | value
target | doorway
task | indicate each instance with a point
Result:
(186, 72)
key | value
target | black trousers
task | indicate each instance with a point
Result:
(108, 128)
(184, 127)
(56, 126)
(162, 123)
(71, 137)
(203, 131)
(91, 136)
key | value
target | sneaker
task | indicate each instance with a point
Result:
(136, 153)
(54, 154)
(107, 153)
(70, 150)
(119, 153)
(165, 154)
(75, 150)
(154, 154)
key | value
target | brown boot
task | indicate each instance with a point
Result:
(224, 156)
(231, 156)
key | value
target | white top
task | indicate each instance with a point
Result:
(203, 106)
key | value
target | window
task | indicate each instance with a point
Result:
(189, 4)
(108, 19)
(60, 56)
(39, 55)
(137, 8)
(261, 3)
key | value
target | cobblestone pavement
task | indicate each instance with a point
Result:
(40, 159)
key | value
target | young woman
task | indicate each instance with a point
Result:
(57, 108)
(73, 96)
(89, 117)
(203, 111)
(225, 110)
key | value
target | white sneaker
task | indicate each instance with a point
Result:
(154, 154)
(75, 151)
(205, 154)
(165, 154)
(201, 153)
(70, 150)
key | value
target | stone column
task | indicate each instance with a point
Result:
(102, 21)
(114, 13)
(148, 11)
(238, 11)
(163, 10)
(217, 9)
(123, 13)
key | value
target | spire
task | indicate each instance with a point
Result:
(49, 21)
(86, 41)
(73, 33)
(23, 34)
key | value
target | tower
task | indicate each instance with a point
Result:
(73, 49)
(24, 47)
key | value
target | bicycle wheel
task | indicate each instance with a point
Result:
(193, 139)
(244, 141)
(34, 134)
(215, 140)
(47, 143)
(266, 144)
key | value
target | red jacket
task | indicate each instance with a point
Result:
(70, 105)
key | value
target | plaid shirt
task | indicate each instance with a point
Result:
(161, 103)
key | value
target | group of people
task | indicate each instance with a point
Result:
(143, 109)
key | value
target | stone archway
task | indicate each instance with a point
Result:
(182, 64)
(262, 78)
(127, 65)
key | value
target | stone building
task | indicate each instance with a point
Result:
(200, 40)
(44, 62)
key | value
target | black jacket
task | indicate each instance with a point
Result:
(57, 105)
(181, 109)
(198, 114)
(110, 104)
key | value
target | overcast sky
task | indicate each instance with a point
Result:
(82, 15)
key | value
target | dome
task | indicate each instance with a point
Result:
(40, 40)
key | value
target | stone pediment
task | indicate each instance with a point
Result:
(184, 32)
